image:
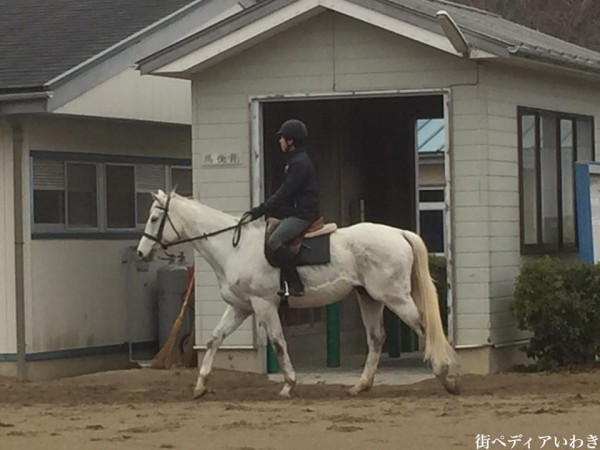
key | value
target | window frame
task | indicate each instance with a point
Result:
(100, 161)
(558, 116)
(435, 206)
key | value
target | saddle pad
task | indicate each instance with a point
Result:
(314, 251)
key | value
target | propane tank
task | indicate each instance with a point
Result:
(171, 283)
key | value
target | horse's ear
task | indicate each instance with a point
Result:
(159, 197)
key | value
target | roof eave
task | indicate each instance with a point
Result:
(170, 61)
(578, 65)
(24, 102)
(187, 45)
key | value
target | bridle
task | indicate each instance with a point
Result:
(159, 235)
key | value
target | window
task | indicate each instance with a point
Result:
(549, 145)
(149, 178)
(432, 218)
(181, 178)
(82, 193)
(49, 192)
(430, 135)
(120, 196)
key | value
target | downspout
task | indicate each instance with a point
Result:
(17, 133)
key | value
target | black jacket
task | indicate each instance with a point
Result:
(298, 195)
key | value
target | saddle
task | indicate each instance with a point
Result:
(309, 247)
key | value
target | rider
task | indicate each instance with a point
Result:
(296, 201)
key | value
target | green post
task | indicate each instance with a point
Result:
(272, 361)
(407, 338)
(333, 335)
(391, 323)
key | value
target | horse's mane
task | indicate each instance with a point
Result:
(205, 208)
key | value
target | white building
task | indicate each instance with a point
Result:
(519, 108)
(83, 139)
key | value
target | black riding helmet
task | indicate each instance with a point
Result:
(293, 129)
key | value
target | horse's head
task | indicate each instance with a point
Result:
(159, 230)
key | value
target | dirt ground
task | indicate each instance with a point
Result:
(151, 409)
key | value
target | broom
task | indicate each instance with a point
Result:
(190, 356)
(165, 358)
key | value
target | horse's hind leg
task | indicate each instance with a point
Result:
(267, 315)
(405, 308)
(232, 318)
(372, 316)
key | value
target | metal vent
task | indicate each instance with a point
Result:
(48, 174)
(149, 177)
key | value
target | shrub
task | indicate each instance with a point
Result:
(559, 303)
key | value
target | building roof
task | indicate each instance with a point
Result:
(489, 33)
(516, 39)
(43, 39)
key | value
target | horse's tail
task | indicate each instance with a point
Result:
(438, 351)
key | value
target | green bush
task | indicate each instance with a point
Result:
(559, 303)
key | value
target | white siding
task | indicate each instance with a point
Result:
(80, 296)
(507, 88)
(8, 334)
(470, 199)
(102, 136)
(129, 95)
(77, 291)
(332, 53)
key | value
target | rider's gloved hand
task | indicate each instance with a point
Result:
(257, 211)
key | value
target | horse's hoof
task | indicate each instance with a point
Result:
(285, 393)
(451, 386)
(199, 392)
(453, 390)
(356, 390)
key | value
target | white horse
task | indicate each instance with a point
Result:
(386, 266)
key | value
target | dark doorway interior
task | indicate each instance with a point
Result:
(364, 151)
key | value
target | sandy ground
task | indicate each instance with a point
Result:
(150, 409)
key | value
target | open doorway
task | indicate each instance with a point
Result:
(368, 153)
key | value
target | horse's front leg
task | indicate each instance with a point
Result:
(232, 318)
(267, 314)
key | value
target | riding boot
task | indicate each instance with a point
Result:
(290, 273)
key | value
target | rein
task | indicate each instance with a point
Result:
(158, 238)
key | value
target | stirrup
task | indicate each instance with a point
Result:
(285, 293)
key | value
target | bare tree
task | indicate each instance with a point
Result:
(576, 21)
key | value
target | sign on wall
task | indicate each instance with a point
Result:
(587, 185)
(221, 159)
